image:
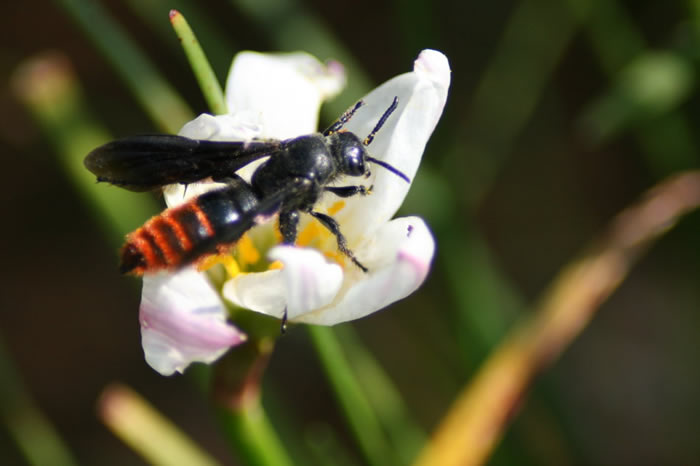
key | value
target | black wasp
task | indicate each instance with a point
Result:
(291, 181)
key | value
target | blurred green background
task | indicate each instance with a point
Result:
(560, 114)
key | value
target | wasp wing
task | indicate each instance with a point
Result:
(147, 162)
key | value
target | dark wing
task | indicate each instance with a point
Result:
(147, 162)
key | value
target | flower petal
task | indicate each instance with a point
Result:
(176, 194)
(232, 127)
(262, 292)
(183, 321)
(310, 280)
(401, 253)
(282, 91)
(307, 282)
(401, 141)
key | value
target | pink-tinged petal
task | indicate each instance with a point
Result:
(282, 91)
(306, 282)
(433, 65)
(401, 141)
(401, 254)
(183, 321)
(310, 280)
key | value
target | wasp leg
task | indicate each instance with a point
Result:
(283, 325)
(289, 220)
(332, 226)
(348, 191)
(338, 124)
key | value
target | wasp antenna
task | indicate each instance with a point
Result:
(390, 168)
(370, 137)
(338, 124)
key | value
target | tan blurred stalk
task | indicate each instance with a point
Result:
(146, 431)
(476, 420)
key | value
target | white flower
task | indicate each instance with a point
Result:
(278, 96)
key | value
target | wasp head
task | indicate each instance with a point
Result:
(350, 154)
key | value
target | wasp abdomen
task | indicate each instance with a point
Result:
(186, 233)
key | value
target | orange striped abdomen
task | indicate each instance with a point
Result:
(184, 234)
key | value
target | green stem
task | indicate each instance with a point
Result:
(254, 438)
(200, 65)
(212, 35)
(235, 388)
(405, 435)
(357, 409)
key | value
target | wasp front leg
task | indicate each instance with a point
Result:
(332, 225)
(348, 191)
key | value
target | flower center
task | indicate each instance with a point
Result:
(245, 255)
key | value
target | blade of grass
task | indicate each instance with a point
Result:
(146, 431)
(255, 438)
(217, 41)
(405, 435)
(200, 65)
(357, 409)
(31, 431)
(477, 418)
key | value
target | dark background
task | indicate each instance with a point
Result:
(517, 179)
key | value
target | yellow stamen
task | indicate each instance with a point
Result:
(231, 266)
(226, 260)
(335, 256)
(336, 207)
(247, 252)
(276, 265)
(311, 232)
(208, 262)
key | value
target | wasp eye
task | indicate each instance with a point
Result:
(354, 161)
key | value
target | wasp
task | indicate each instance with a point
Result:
(290, 182)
